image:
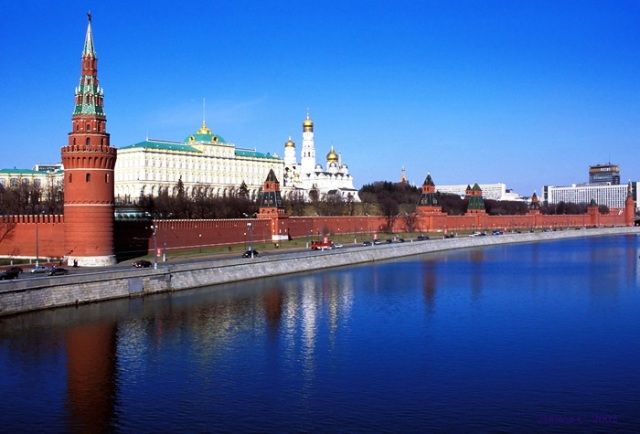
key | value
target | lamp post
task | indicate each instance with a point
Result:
(37, 242)
(250, 232)
(155, 246)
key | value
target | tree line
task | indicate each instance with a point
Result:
(30, 199)
(389, 199)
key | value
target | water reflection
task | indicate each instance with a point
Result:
(333, 346)
(429, 279)
(91, 376)
(477, 261)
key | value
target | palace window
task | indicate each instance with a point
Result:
(87, 177)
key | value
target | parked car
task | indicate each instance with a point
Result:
(142, 263)
(251, 253)
(496, 232)
(58, 271)
(40, 269)
(366, 243)
(321, 245)
(377, 242)
(336, 246)
(422, 237)
(11, 273)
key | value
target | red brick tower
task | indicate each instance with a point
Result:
(629, 208)
(271, 207)
(88, 171)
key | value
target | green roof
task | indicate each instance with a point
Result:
(205, 138)
(254, 154)
(20, 172)
(164, 146)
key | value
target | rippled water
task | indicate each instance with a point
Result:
(532, 337)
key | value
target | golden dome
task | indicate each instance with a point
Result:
(290, 143)
(307, 124)
(332, 155)
(203, 129)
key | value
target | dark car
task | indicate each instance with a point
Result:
(11, 273)
(142, 263)
(422, 238)
(366, 243)
(251, 253)
(58, 271)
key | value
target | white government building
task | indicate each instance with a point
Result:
(613, 196)
(304, 177)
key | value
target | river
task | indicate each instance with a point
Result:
(527, 337)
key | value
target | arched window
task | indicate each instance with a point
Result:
(74, 141)
(88, 142)
(106, 178)
(88, 127)
(70, 178)
(87, 177)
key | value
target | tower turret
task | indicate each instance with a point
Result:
(629, 207)
(88, 163)
(476, 202)
(290, 154)
(308, 159)
(429, 203)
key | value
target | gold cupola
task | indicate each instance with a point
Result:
(203, 129)
(307, 125)
(290, 143)
(332, 155)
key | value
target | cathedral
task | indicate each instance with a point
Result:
(308, 178)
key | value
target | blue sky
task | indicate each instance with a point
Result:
(522, 92)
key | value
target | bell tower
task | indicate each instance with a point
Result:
(88, 171)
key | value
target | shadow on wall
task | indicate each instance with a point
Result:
(131, 238)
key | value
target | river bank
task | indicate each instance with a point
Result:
(48, 292)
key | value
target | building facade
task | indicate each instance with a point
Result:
(205, 162)
(307, 176)
(47, 178)
(498, 191)
(613, 196)
(604, 174)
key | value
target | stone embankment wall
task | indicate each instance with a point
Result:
(28, 295)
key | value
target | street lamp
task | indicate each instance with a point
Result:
(154, 228)
(38, 239)
(250, 232)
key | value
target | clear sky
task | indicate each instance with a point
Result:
(522, 92)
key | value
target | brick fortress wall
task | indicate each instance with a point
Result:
(18, 233)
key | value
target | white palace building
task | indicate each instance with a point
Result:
(206, 162)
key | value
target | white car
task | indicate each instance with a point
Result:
(40, 269)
